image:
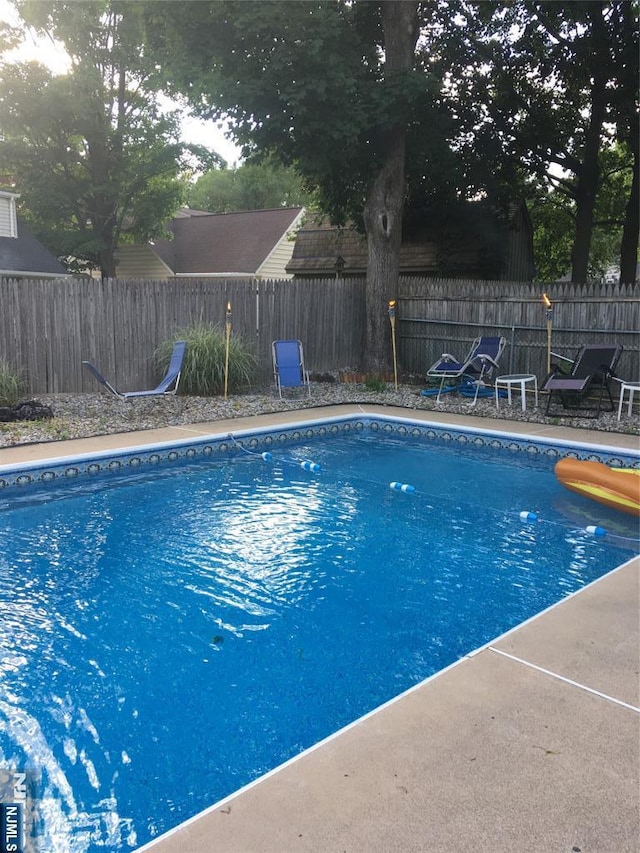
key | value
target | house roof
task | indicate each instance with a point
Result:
(327, 250)
(26, 256)
(216, 243)
(458, 248)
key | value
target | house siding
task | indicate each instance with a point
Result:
(8, 226)
(274, 265)
(141, 262)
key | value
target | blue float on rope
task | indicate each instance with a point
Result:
(310, 466)
(266, 456)
(592, 529)
(401, 487)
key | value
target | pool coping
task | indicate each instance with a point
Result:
(402, 777)
(135, 452)
(38, 454)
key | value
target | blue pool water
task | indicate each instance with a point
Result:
(170, 635)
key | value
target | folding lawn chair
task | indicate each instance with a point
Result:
(168, 385)
(288, 366)
(590, 373)
(479, 363)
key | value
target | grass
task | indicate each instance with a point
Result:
(375, 384)
(12, 384)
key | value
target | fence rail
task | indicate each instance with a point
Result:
(48, 327)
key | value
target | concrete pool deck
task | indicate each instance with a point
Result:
(530, 744)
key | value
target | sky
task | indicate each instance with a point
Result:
(194, 130)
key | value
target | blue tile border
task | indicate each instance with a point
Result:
(232, 444)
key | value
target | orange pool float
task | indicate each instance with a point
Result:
(618, 488)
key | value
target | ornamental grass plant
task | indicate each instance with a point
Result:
(12, 384)
(203, 369)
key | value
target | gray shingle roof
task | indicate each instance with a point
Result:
(224, 242)
(26, 255)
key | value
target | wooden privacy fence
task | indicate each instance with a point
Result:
(48, 327)
(446, 316)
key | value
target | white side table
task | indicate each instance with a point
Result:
(629, 388)
(518, 379)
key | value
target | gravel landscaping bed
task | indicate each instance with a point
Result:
(84, 415)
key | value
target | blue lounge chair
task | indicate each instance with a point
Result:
(288, 366)
(479, 363)
(168, 385)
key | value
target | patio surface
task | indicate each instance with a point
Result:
(530, 744)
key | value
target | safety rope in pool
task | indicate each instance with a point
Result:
(529, 516)
(595, 530)
(305, 464)
(591, 529)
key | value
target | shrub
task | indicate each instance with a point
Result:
(204, 360)
(375, 383)
(12, 384)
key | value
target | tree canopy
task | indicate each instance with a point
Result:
(389, 111)
(251, 186)
(94, 158)
(328, 87)
(491, 96)
(551, 84)
(553, 213)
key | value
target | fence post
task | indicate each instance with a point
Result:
(512, 344)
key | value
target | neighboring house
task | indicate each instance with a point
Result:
(251, 244)
(479, 243)
(21, 255)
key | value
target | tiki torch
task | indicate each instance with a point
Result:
(226, 355)
(392, 320)
(549, 317)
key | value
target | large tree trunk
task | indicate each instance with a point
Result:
(628, 131)
(100, 211)
(589, 174)
(631, 230)
(383, 222)
(107, 251)
(384, 206)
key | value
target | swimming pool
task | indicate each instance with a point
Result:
(171, 618)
